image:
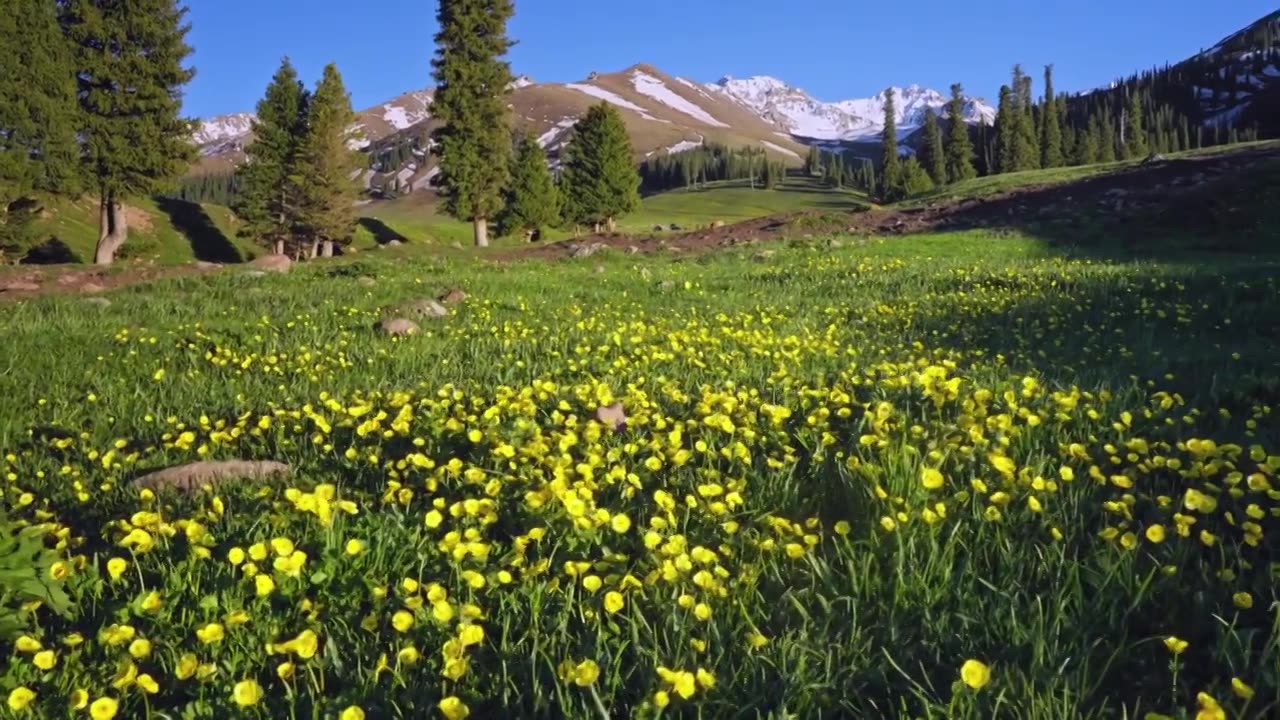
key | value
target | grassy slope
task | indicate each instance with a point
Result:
(170, 232)
(875, 624)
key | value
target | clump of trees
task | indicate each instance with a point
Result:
(710, 162)
(295, 192)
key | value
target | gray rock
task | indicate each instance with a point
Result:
(98, 301)
(717, 224)
(633, 250)
(586, 250)
(762, 255)
(255, 273)
(366, 281)
(192, 477)
(272, 263)
(422, 308)
(398, 327)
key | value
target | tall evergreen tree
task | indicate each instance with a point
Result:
(37, 115)
(532, 198)
(1088, 149)
(813, 161)
(599, 181)
(959, 146)
(1007, 119)
(892, 173)
(1027, 143)
(1107, 138)
(472, 84)
(269, 204)
(327, 191)
(931, 155)
(1135, 139)
(128, 58)
(1051, 130)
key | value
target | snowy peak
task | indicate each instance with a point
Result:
(222, 127)
(859, 119)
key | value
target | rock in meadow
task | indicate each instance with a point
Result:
(272, 263)
(717, 224)
(97, 300)
(453, 296)
(612, 416)
(423, 308)
(366, 281)
(398, 327)
(255, 273)
(192, 477)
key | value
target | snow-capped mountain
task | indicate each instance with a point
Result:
(860, 119)
(222, 127)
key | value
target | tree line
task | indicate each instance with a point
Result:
(710, 162)
(1146, 114)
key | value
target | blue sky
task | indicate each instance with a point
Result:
(835, 49)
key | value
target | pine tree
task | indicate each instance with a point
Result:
(1006, 132)
(532, 198)
(931, 155)
(1107, 138)
(1051, 155)
(915, 178)
(1027, 144)
(268, 205)
(813, 162)
(37, 115)
(472, 84)
(128, 59)
(1135, 141)
(959, 149)
(600, 183)
(892, 173)
(325, 166)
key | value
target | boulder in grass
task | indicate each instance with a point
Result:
(398, 327)
(423, 308)
(454, 296)
(192, 477)
(612, 416)
(272, 263)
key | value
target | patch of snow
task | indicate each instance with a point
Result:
(404, 175)
(358, 143)
(653, 87)
(523, 81)
(781, 149)
(556, 133)
(222, 127)
(602, 94)
(1226, 118)
(1206, 93)
(860, 119)
(397, 117)
(1271, 71)
(683, 146)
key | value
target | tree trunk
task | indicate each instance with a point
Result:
(611, 224)
(111, 229)
(314, 252)
(326, 248)
(279, 249)
(595, 228)
(482, 232)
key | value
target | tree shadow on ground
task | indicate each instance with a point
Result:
(381, 232)
(1219, 203)
(51, 252)
(208, 242)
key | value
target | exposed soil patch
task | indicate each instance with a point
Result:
(30, 281)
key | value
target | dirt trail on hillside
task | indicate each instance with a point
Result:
(1116, 196)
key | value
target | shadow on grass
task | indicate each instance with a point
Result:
(208, 243)
(381, 232)
(51, 252)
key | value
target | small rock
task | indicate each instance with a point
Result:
(717, 224)
(587, 250)
(455, 295)
(667, 285)
(657, 228)
(612, 417)
(599, 269)
(456, 245)
(424, 308)
(366, 281)
(398, 327)
(192, 477)
(272, 263)
(633, 250)
(674, 227)
(392, 243)
(19, 286)
(97, 300)
(206, 265)
(837, 243)
(255, 273)
(762, 255)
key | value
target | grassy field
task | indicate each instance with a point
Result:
(932, 477)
